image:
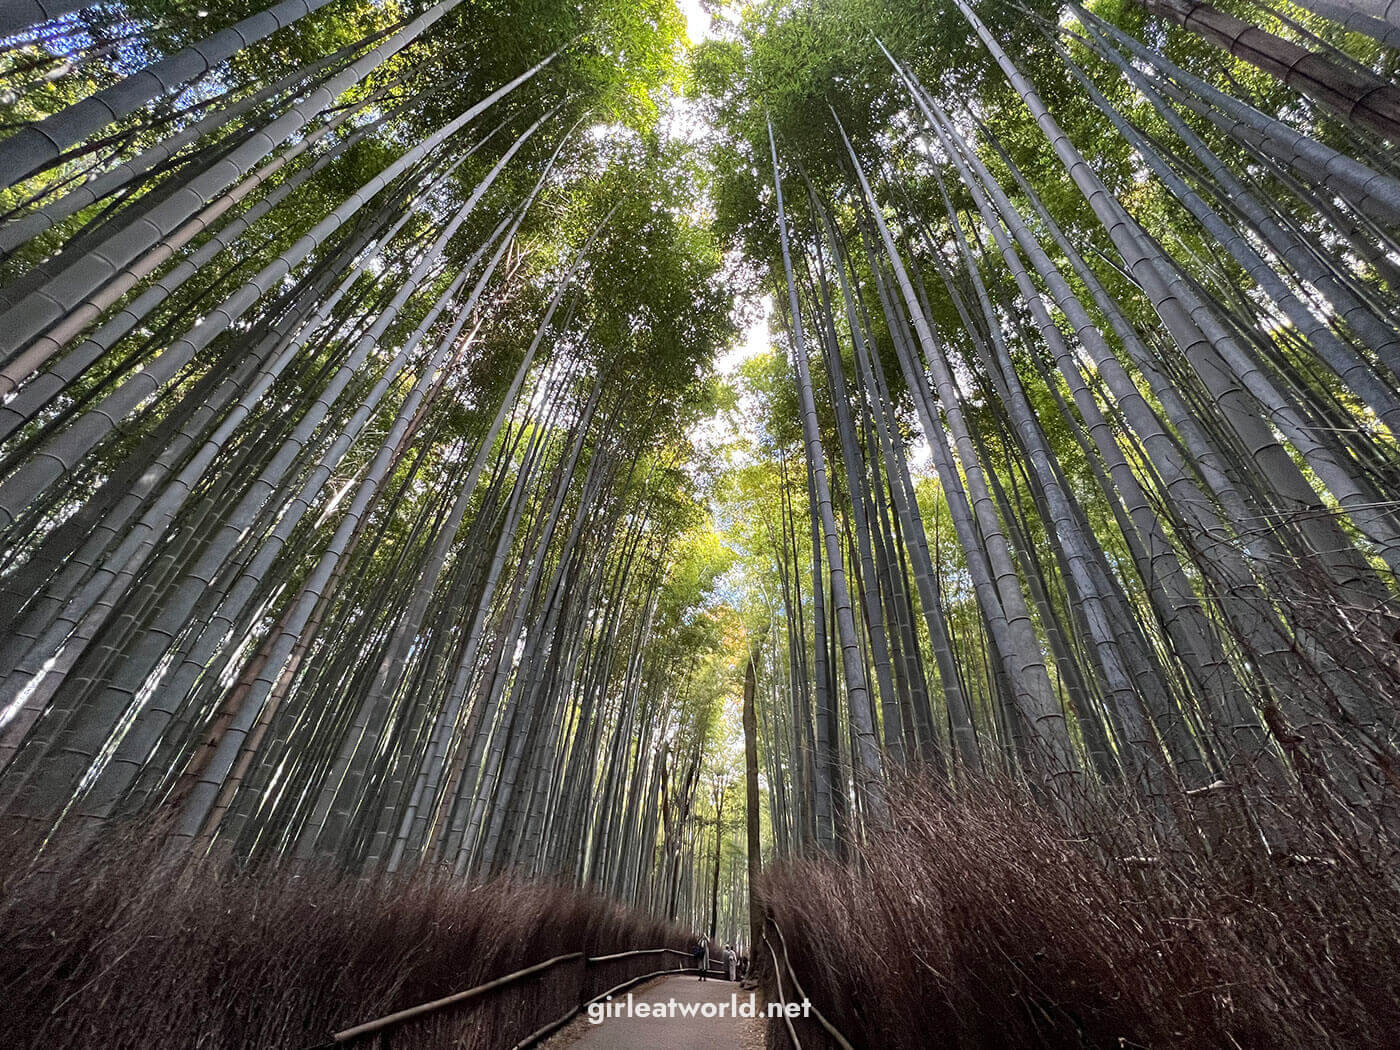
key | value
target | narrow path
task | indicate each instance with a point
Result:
(681, 1027)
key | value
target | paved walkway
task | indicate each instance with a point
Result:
(671, 1032)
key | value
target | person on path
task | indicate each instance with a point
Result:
(702, 957)
(731, 962)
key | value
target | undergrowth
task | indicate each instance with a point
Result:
(112, 949)
(982, 921)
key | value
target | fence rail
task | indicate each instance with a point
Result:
(381, 1026)
(801, 995)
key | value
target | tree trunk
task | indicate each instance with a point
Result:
(752, 812)
(1351, 92)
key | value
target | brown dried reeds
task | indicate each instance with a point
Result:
(111, 948)
(981, 920)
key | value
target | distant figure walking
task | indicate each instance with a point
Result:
(702, 957)
(731, 962)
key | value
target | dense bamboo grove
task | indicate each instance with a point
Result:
(370, 496)
(1074, 468)
(1144, 332)
(327, 531)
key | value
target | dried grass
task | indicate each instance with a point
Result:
(113, 949)
(981, 921)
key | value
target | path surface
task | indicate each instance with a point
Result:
(672, 1033)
